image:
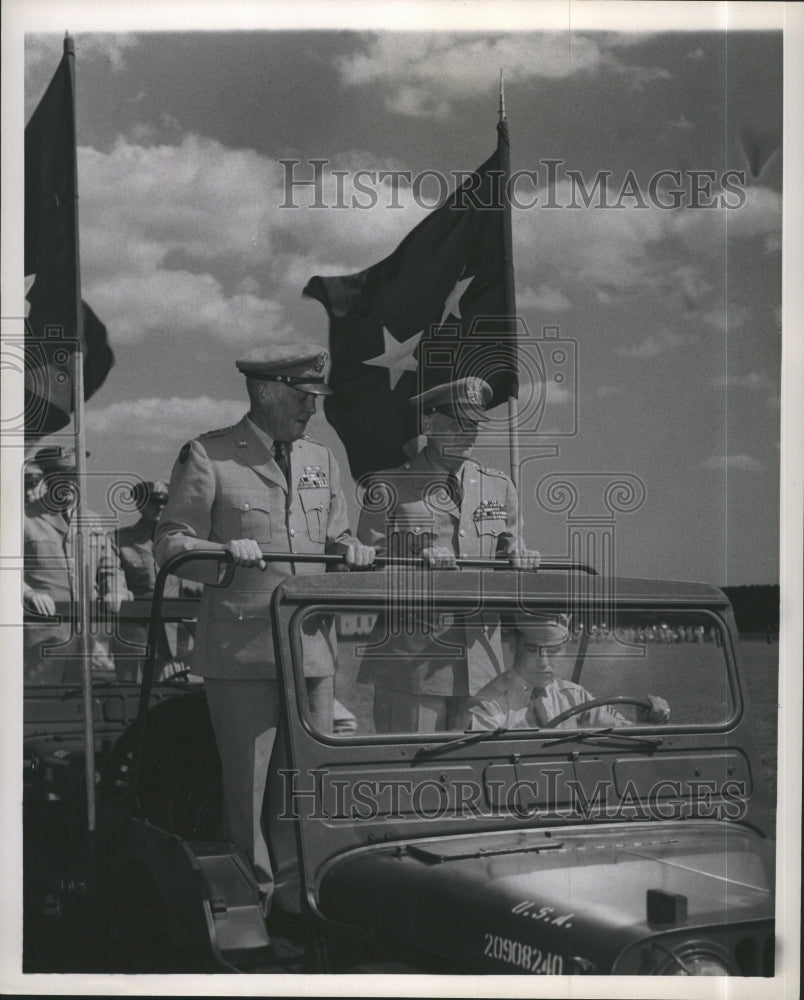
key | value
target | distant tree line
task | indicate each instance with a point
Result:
(756, 607)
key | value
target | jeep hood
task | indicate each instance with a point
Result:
(578, 894)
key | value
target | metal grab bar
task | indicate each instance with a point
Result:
(226, 560)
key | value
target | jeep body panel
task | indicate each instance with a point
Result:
(560, 900)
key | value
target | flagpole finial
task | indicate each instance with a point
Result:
(502, 97)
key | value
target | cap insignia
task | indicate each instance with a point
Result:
(473, 393)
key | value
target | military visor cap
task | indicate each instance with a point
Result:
(148, 491)
(542, 630)
(464, 399)
(300, 366)
(57, 459)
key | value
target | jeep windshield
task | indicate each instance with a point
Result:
(452, 669)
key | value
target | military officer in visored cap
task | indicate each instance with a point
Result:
(534, 691)
(438, 506)
(259, 486)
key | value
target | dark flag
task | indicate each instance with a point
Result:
(51, 267)
(432, 311)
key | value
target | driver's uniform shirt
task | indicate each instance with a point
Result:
(509, 701)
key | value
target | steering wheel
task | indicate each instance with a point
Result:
(623, 699)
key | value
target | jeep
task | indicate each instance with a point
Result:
(630, 848)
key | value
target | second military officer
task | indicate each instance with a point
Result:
(259, 486)
(439, 506)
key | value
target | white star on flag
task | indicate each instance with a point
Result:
(452, 307)
(398, 355)
(29, 280)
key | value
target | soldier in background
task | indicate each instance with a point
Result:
(134, 549)
(439, 506)
(52, 577)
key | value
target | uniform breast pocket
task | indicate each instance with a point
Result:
(246, 515)
(489, 530)
(413, 528)
(43, 546)
(315, 504)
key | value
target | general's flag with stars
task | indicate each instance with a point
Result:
(51, 266)
(433, 311)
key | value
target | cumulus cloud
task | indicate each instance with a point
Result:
(729, 317)
(732, 463)
(652, 345)
(185, 419)
(682, 122)
(546, 299)
(612, 252)
(423, 74)
(192, 235)
(163, 226)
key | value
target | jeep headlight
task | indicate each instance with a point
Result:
(695, 959)
(702, 965)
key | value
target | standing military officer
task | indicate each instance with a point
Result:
(439, 506)
(259, 486)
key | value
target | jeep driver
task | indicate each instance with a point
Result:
(530, 696)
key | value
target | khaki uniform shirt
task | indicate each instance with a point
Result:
(53, 559)
(509, 701)
(226, 485)
(408, 509)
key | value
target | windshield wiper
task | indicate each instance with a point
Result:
(462, 741)
(607, 734)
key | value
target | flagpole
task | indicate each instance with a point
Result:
(82, 553)
(509, 288)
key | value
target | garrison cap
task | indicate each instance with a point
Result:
(546, 630)
(56, 459)
(465, 398)
(299, 365)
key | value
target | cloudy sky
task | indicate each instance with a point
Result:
(191, 254)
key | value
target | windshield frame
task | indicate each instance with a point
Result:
(450, 604)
